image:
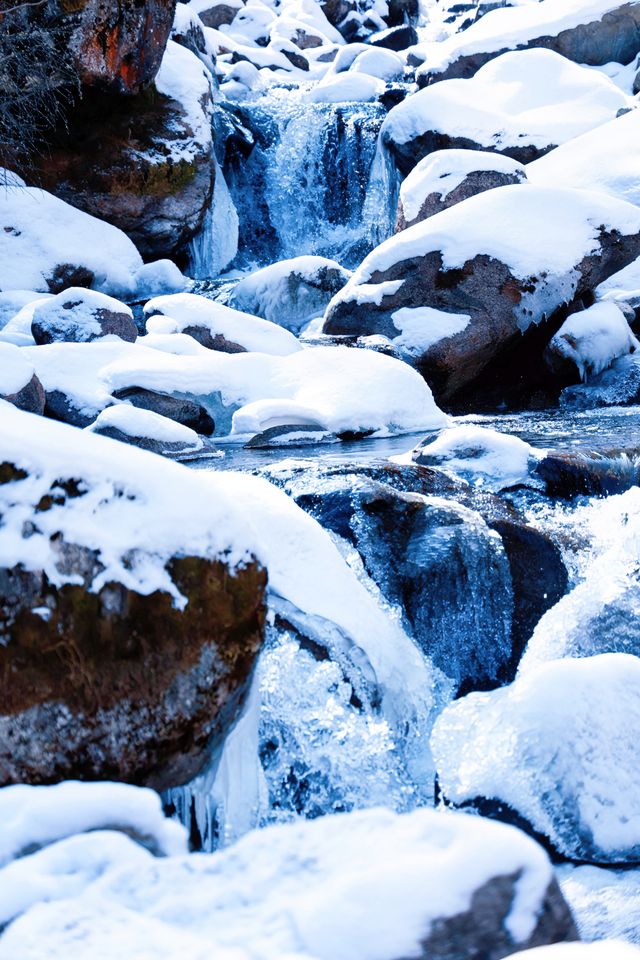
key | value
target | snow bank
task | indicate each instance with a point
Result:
(526, 98)
(512, 27)
(367, 884)
(441, 172)
(34, 817)
(188, 310)
(480, 456)
(336, 388)
(602, 160)
(567, 764)
(594, 338)
(42, 237)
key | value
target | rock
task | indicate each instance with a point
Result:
(179, 409)
(215, 14)
(188, 31)
(290, 292)
(496, 894)
(591, 473)
(80, 315)
(19, 384)
(472, 294)
(146, 429)
(617, 387)
(564, 766)
(503, 109)
(294, 435)
(608, 31)
(395, 38)
(121, 657)
(144, 164)
(447, 177)
(416, 527)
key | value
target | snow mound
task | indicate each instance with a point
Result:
(79, 315)
(602, 160)
(529, 98)
(566, 764)
(378, 62)
(15, 369)
(421, 327)
(604, 950)
(623, 286)
(369, 884)
(13, 301)
(605, 902)
(592, 339)
(138, 423)
(347, 87)
(191, 312)
(485, 458)
(443, 171)
(45, 240)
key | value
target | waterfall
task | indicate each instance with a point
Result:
(215, 246)
(314, 181)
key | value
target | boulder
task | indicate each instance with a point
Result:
(395, 38)
(179, 409)
(80, 315)
(128, 640)
(593, 33)
(290, 292)
(563, 766)
(447, 177)
(445, 886)
(146, 429)
(505, 108)
(590, 473)
(473, 294)
(19, 384)
(188, 31)
(215, 14)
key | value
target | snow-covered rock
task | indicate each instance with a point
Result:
(441, 884)
(291, 292)
(214, 13)
(335, 388)
(384, 64)
(601, 160)
(47, 245)
(447, 177)
(19, 384)
(617, 386)
(347, 87)
(498, 264)
(622, 287)
(12, 302)
(605, 903)
(145, 429)
(521, 104)
(565, 764)
(603, 950)
(592, 339)
(585, 31)
(485, 458)
(78, 315)
(218, 327)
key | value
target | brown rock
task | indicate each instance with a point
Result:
(31, 397)
(476, 181)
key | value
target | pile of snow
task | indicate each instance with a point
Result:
(145, 425)
(603, 160)
(189, 311)
(529, 98)
(335, 388)
(378, 62)
(16, 370)
(369, 884)
(421, 327)
(12, 301)
(604, 902)
(604, 950)
(443, 171)
(594, 338)
(290, 292)
(623, 286)
(485, 458)
(511, 28)
(33, 817)
(567, 764)
(347, 88)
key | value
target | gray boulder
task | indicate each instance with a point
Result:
(80, 316)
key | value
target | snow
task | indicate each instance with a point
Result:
(526, 98)
(157, 278)
(605, 950)
(184, 78)
(136, 422)
(512, 27)
(530, 229)
(483, 457)
(360, 886)
(41, 232)
(75, 314)
(13, 301)
(33, 817)
(15, 369)
(421, 327)
(567, 764)
(252, 333)
(602, 160)
(337, 388)
(605, 903)
(290, 292)
(622, 286)
(347, 87)
(443, 171)
(378, 62)
(594, 338)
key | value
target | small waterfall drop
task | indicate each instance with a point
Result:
(216, 245)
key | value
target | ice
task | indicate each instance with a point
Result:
(594, 338)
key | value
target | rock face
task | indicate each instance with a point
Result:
(79, 316)
(472, 288)
(447, 177)
(107, 674)
(143, 163)
(19, 384)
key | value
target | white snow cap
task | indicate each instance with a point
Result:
(145, 424)
(15, 369)
(594, 338)
(367, 884)
(528, 97)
